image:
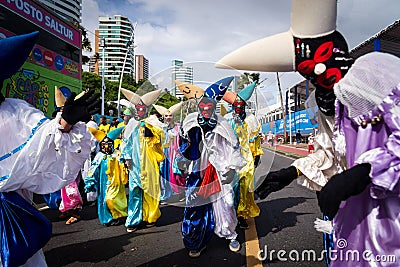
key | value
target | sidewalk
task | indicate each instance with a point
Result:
(300, 150)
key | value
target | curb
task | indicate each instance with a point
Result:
(285, 153)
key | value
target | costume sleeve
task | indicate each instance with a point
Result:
(93, 176)
(318, 167)
(255, 146)
(50, 160)
(385, 160)
(127, 140)
(155, 142)
(224, 156)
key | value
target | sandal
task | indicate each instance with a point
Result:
(72, 220)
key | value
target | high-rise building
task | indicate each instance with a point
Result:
(141, 68)
(70, 10)
(181, 73)
(113, 42)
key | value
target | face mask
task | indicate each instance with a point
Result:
(323, 61)
(107, 146)
(141, 111)
(239, 107)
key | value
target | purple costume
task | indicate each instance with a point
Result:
(369, 223)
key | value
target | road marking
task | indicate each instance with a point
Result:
(252, 245)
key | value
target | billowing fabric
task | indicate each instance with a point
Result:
(219, 148)
(107, 176)
(371, 220)
(23, 229)
(70, 197)
(115, 195)
(49, 161)
(171, 177)
(246, 206)
(53, 200)
(319, 167)
(144, 176)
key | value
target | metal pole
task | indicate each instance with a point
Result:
(130, 42)
(103, 86)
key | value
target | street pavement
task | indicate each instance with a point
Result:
(285, 224)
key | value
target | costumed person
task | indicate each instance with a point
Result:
(246, 128)
(103, 125)
(107, 177)
(211, 156)
(39, 156)
(71, 200)
(172, 180)
(142, 152)
(317, 51)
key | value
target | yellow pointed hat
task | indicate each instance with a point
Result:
(59, 97)
(190, 91)
(99, 135)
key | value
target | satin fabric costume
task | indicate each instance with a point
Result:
(370, 221)
(250, 147)
(144, 176)
(107, 176)
(171, 177)
(49, 161)
(220, 150)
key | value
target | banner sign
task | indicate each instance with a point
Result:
(39, 16)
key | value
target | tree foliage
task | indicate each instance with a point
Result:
(93, 81)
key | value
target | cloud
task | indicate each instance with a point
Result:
(205, 31)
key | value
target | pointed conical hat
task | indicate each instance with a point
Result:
(151, 97)
(223, 111)
(131, 96)
(59, 97)
(246, 92)
(14, 51)
(160, 109)
(175, 108)
(217, 90)
(99, 135)
(229, 97)
(276, 53)
(190, 91)
(114, 134)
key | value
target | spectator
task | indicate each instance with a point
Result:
(311, 140)
(104, 126)
(299, 137)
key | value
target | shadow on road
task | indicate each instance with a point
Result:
(274, 218)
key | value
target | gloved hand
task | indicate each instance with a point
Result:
(341, 186)
(82, 108)
(257, 161)
(276, 181)
(148, 132)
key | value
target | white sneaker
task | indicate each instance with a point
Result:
(234, 245)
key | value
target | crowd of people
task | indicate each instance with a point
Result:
(353, 167)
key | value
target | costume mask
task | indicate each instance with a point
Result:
(168, 118)
(141, 111)
(206, 118)
(239, 107)
(323, 61)
(107, 146)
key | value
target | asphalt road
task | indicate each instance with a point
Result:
(284, 229)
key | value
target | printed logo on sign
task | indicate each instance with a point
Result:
(59, 62)
(48, 58)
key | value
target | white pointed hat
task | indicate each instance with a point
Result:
(147, 99)
(171, 110)
(276, 53)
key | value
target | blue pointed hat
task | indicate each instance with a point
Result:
(246, 92)
(114, 134)
(217, 90)
(14, 51)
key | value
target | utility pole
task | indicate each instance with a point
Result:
(282, 107)
(103, 86)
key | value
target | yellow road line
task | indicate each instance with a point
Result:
(252, 245)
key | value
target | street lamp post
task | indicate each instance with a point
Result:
(103, 86)
(128, 44)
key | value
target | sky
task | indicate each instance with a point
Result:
(202, 32)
